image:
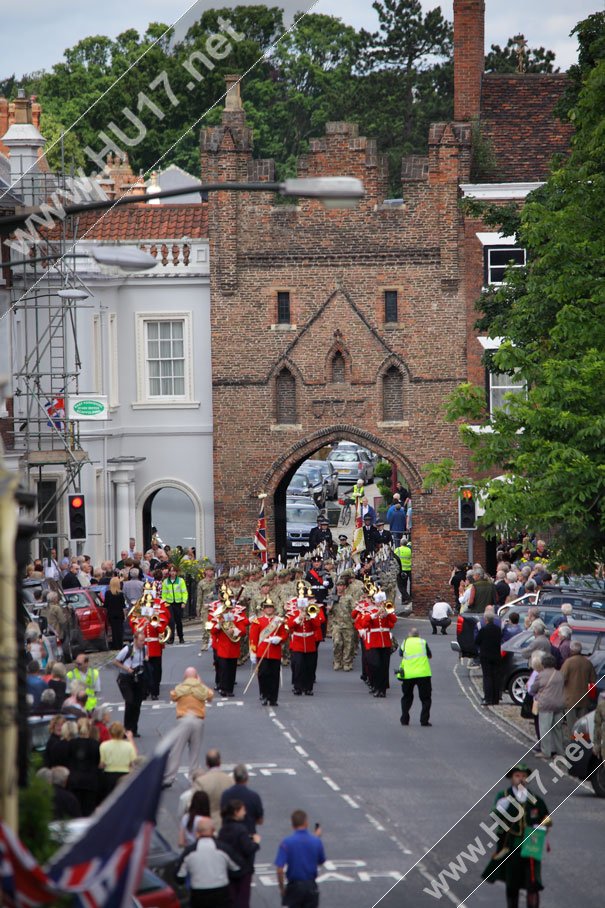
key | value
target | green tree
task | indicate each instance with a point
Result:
(548, 443)
(506, 59)
(70, 157)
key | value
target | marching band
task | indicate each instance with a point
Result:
(279, 618)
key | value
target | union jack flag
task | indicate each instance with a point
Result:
(260, 537)
(104, 866)
(55, 410)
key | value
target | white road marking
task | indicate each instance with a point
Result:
(431, 879)
(349, 800)
(289, 737)
(400, 845)
(300, 750)
(313, 765)
(331, 783)
(279, 724)
(375, 823)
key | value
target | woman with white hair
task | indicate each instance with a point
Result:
(564, 642)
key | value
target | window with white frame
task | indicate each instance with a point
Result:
(498, 259)
(164, 359)
(501, 383)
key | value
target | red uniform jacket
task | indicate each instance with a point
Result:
(322, 620)
(303, 633)
(224, 646)
(378, 634)
(358, 613)
(266, 650)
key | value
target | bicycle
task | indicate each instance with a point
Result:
(345, 513)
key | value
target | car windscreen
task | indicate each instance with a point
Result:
(78, 600)
(300, 481)
(344, 456)
(301, 515)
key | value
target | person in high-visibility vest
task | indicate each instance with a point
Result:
(175, 595)
(357, 493)
(415, 671)
(403, 554)
(89, 677)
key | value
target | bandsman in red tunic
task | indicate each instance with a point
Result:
(267, 635)
(228, 626)
(304, 624)
(358, 612)
(157, 634)
(378, 641)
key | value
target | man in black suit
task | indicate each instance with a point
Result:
(489, 642)
(371, 536)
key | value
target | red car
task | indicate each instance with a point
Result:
(154, 892)
(91, 616)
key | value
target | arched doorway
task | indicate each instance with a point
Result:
(175, 514)
(278, 480)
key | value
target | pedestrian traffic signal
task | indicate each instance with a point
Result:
(467, 509)
(77, 517)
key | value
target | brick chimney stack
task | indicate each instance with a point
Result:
(469, 57)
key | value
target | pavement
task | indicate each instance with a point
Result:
(396, 804)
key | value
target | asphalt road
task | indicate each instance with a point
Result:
(393, 802)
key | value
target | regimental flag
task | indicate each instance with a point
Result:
(260, 537)
(359, 542)
(103, 866)
(55, 410)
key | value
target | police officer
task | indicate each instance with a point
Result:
(403, 553)
(88, 677)
(175, 595)
(415, 671)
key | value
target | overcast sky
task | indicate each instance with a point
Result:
(36, 32)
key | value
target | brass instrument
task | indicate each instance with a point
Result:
(312, 610)
(389, 607)
(164, 637)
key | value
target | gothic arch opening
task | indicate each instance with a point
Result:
(276, 482)
(285, 398)
(338, 368)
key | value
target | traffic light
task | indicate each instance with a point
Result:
(77, 517)
(467, 509)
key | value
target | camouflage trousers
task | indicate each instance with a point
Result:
(343, 643)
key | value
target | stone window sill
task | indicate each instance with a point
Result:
(286, 427)
(395, 424)
(284, 327)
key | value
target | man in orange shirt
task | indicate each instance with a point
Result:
(190, 697)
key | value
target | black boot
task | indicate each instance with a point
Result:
(512, 900)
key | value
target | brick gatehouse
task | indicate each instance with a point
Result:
(330, 325)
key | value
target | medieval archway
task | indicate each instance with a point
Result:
(277, 480)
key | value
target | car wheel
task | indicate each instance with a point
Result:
(597, 780)
(517, 686)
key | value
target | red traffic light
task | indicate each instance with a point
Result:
(77, 502)
(467, 493)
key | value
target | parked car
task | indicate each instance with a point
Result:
(301, 518)
(92, 618)
(589, 766)
(515, 670)
(73, 642)
(585, 602)
(309, 484)
(329, 474)
(351, 446)
(352, 465)
(154, 892)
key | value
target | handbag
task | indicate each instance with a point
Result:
(526, 706)
(533, 845)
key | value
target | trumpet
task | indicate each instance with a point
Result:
(389, 607)
(312, 610)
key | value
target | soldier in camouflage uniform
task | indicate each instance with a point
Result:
(356, 591)
(206, 593)
(388, 571)
(344, 635)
